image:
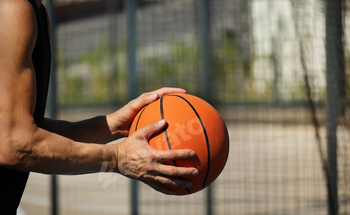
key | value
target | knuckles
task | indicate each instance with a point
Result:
(173, 172)
(168, 182)
(171, 155)
(133, 104)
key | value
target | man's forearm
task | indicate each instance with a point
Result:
(94, 130)
(49, 153)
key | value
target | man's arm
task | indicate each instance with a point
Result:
(94, 130)
(24, 146)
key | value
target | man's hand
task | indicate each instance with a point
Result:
(138, 160)
(120, 121)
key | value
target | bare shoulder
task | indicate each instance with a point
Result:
(18, 29)
(16, 7)
(19, 10)
(18, 13)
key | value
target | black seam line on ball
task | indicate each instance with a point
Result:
(167, 137)
(137, 123)
(205, 133)
(165, 129)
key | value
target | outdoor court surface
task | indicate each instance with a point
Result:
(272, 169)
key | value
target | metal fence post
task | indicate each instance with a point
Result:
(132, 88)
(112, 9)
(204, 6)
(53, 99)
(131, 37)
(334, 67)
(206, 66)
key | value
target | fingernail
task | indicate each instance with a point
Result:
(153, 96)
(189, 184)
(195, 172)
(192, 154)
(161, 122)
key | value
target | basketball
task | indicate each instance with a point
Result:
(192, 124)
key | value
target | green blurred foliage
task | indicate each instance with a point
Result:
(99, 76)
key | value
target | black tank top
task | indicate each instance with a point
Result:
(12, 182)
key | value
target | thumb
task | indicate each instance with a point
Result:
(151, 129)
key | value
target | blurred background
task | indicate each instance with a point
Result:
(278, 72)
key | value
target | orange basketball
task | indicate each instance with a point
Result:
(192, 124)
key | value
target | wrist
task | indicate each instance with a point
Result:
(113, 153)
(116, 125)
